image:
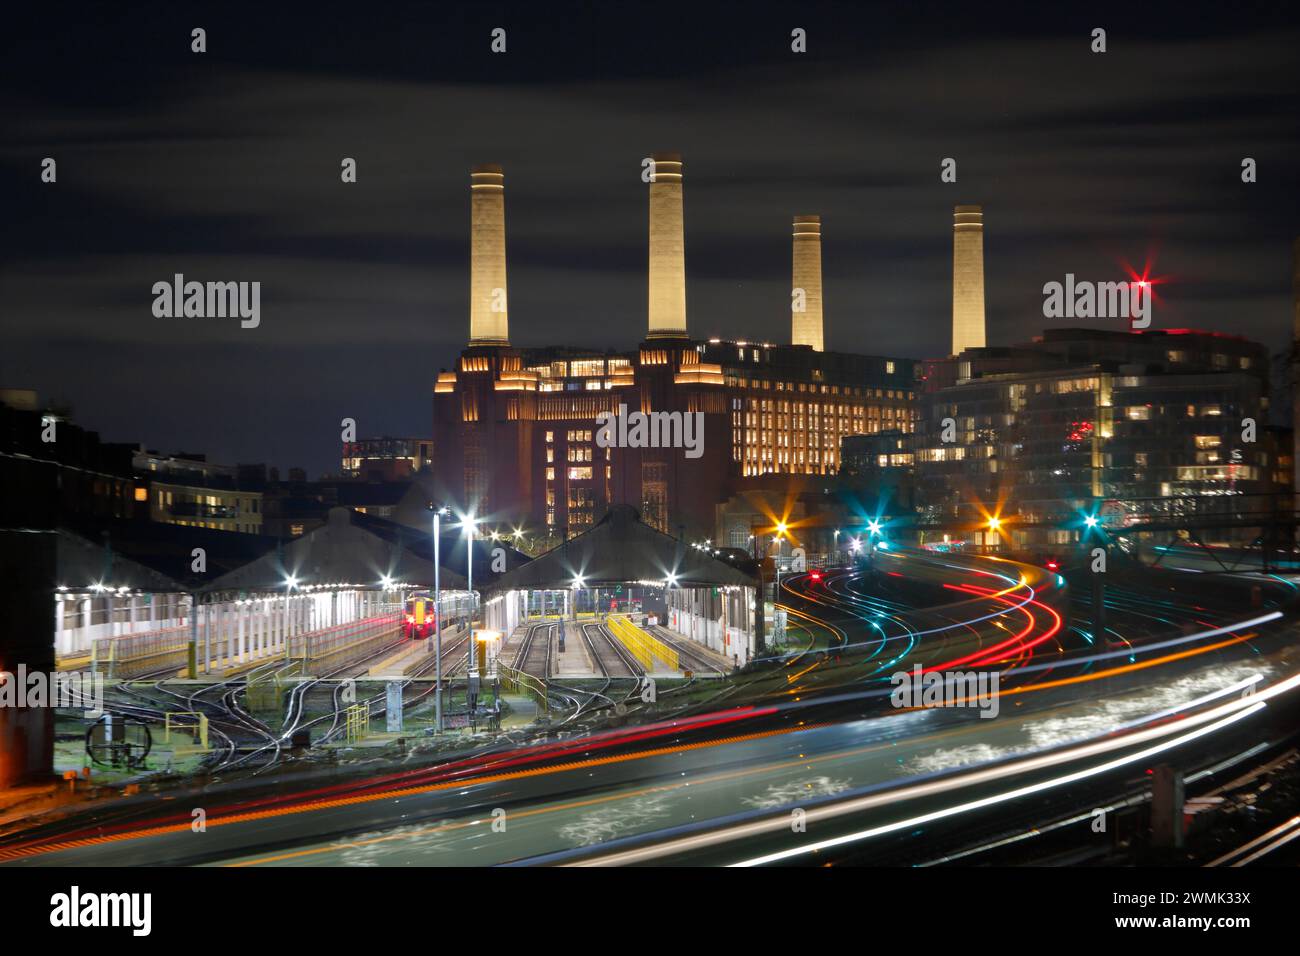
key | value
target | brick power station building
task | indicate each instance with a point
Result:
(515, 429)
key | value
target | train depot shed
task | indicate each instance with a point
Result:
(624, 599)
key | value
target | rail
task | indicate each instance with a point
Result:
(519, 682)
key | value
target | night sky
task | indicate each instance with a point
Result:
(225, 166)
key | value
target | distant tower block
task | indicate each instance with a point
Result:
(967, 278)
(806, 326)
(488, 324)
(667, 249)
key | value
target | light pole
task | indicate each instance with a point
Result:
(437, 619)
(468, 524)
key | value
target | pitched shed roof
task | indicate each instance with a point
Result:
(347, 549)
(620, 549)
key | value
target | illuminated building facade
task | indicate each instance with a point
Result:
(1042, 433)
(195, 493)
(386, 459)
(515, 430)
(768, 410)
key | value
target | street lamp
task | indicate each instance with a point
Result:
(437, 617)
(469, 522)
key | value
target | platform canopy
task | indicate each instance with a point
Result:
(622, 549)
(86, 566)
(347, 551)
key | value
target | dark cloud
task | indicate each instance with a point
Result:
(225, 166)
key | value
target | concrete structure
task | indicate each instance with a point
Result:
(967, 278)
(806, 293)
(488, 315)
(667, 306)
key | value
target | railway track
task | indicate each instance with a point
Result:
(534, 655)
(611, 657)
(684, 651)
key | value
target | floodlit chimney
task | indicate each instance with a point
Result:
(667, 317)
(488, 324)
(967, 278)
(806, 294)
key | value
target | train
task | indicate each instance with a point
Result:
(420, 617)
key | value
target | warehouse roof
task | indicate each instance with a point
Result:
(622, 549)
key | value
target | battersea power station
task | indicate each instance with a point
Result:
(517, 430)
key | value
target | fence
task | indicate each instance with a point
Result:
(334, 645)
(134, 654)
(649, 652)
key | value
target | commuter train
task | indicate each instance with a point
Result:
(420, 615)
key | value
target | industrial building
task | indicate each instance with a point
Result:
(515, 432)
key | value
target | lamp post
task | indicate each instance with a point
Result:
(437, 619)
(780, 532)
(468, 524)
